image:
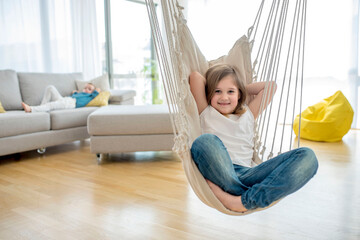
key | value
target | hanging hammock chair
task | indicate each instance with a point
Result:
(279, 57)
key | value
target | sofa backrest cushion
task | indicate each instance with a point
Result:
(10, 96)
(32, 85)
(101, 82)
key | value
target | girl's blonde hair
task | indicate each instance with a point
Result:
(215, 74)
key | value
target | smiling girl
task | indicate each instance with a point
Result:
(224, 152)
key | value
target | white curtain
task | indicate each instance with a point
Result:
(20, 31)
(49, 36)
(85, 37)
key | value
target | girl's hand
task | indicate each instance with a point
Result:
(259, 90)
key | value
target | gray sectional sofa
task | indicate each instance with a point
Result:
(20, 131)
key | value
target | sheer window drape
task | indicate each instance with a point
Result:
(49, 36)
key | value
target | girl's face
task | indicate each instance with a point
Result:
(226, 96)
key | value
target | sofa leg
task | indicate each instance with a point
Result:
(41, 150)
(101, 157)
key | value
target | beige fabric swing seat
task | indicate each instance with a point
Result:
(179, 55)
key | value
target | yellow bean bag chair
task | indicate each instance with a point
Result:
(328, 120)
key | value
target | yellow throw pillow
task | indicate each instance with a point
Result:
(2, 110)
(100, 100)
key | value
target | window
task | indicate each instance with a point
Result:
(128, 52)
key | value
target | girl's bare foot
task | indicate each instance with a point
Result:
(231, 202)
(26, 107)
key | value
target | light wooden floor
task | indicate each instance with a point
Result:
(64, 194)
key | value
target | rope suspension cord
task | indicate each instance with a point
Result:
(279, 50)
(267, 73)
(302, 70)
(296, 18)
(260, 53)
(160, 55)
(299, 61)
(271, 69)
(277, 47)
(256, 23)
(171, 71)
(175, 72)
(262, 43)
(278, 115)
(272, 62)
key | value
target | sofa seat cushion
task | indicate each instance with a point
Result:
(129, 120)
(33, 85)
(69, 118)
(10, 95)
(14, 123)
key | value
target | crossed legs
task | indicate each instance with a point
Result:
(237, 186)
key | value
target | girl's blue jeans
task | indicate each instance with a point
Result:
(258, 186)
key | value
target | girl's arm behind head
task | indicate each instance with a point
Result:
(260, 90)
(197, 87)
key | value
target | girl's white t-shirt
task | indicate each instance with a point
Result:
(236, 132)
